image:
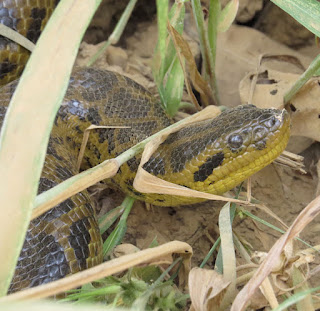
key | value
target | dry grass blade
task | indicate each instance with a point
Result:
(105, 269)
(268, 292)
(23, 144)
(228, 255)
(303, 219)
(291, 160)
(207, 289)
(16, 37)
(198, 82)
(73, 185)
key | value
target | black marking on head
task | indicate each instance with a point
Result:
(186, 151)
(205, 170)
(34, 30)
(79, 239)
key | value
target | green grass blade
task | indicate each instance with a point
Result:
(162, 17)
(117, 234)
(312, 70)
(117, 32)
(307, 13)
(295, 298)
(228, 15)
(174, 87)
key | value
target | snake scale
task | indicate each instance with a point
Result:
(211, 156)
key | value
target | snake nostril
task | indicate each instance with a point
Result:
(271, 122)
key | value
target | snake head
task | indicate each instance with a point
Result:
(216, 155)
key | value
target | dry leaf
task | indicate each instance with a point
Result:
(207, 289)
(125, 249)
(194, 76)
(238, 52)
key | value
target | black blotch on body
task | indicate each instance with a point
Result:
(133, 164)
(52, 150)
(93, 116)
(205, 170)
(34, 30)
(79, 240)
(129, 184)
(6, 67)
(273, 92)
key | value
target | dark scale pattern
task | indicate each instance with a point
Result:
(205, 170)
(133, 164)
(28, 18)
(42, 260)
(155, 166)
(72, 107)
(79, 239)
(52, 150)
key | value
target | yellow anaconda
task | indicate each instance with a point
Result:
(211, 156)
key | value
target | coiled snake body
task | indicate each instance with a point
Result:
(211, 156)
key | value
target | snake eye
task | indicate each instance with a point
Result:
(235, 141)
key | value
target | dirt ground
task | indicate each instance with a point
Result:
(261, 29)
